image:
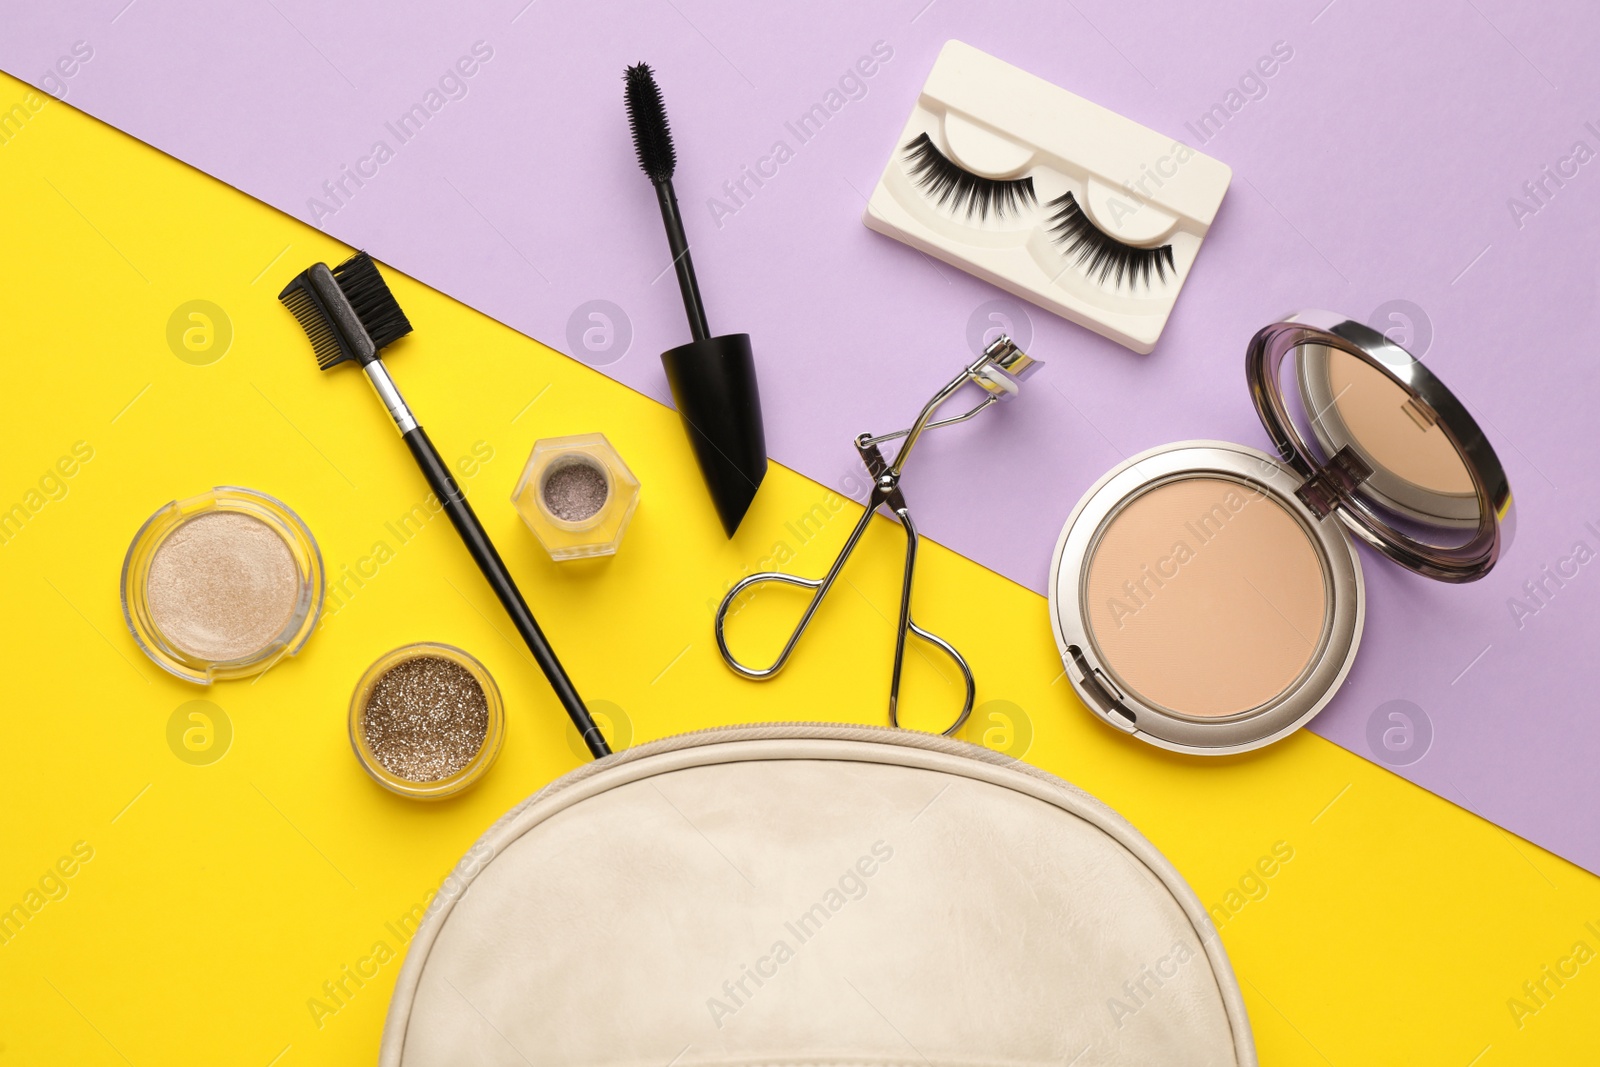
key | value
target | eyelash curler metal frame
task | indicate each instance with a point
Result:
(999, 371)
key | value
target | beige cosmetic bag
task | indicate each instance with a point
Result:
(813, 895)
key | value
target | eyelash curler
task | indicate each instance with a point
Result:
(999, 371)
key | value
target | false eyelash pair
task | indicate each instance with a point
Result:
(954, 187)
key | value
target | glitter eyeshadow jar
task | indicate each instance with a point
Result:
(222, 585)
(576, 495)
(426, 721)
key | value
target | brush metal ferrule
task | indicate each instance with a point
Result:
(389, 393)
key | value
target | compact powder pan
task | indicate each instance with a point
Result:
(1207, 597)
(1243, 622)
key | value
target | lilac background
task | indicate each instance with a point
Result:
(1377, 167)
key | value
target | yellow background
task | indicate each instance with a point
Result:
(221, 897)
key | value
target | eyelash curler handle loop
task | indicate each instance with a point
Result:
(821, 585)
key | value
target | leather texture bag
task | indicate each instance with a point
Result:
(814, 895)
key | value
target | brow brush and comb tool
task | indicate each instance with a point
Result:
(713, 379)
(349, 314)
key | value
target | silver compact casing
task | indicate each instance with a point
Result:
(1334, 482)
(1469, 530)
(1099, 685)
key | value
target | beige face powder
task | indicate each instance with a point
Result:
(223, 586)
(1205, 596)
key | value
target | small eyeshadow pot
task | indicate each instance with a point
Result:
(426, 721)
(1207, 597)
(222, 585)
(577, 496)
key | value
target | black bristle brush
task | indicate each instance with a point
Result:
(349, 314)
(713, 379)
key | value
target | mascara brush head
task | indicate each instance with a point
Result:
(652, 138)
(348, 311)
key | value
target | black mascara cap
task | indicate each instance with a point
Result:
(714, 386)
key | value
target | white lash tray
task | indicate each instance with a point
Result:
(1137, 187)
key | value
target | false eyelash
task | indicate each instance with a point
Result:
(1102, 254)
(948, 183)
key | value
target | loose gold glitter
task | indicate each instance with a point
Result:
(222, 586)
(425, 719)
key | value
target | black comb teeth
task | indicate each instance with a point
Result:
(647, 114)
(347, 312)
(314, 320)
(374, 304)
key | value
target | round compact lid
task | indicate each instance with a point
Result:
(814, 896)
(1382, 442)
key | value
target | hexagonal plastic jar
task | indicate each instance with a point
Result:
(596, 534)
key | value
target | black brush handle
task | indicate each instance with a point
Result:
(678, 242)
(489, 562)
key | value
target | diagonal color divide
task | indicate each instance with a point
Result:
(1408, 214)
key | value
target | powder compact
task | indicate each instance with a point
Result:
(426, 721)
(222, 585)
(1207, 597)
(576, 495)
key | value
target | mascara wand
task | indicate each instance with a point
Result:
(652, 140)
(349, 313)
(713, 379)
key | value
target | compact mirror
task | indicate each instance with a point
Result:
(1383, 443)
(1207, 597)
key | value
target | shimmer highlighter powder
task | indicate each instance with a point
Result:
(223, 586)
(426, 720)
(1205, 596)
